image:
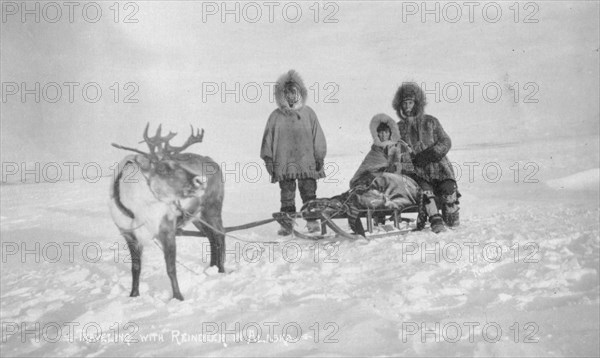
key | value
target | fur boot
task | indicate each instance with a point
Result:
(451, 216)
(286, 229)
(450, 209)
(437, 224)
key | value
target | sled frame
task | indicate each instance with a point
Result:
(287, 220)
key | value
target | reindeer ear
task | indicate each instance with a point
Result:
(198, 181)
(143, 162)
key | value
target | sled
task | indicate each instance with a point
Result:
(326, 211)
(326, 219)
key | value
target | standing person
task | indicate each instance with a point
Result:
(430, 144)
(294, 146)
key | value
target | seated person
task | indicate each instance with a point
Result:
(378, 183)
(385, 154)
(429, 145)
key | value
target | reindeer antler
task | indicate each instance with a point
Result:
(127, 148)
(159, 145)
(157, 141)
(192, 139)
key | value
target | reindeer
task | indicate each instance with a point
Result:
(156, 193)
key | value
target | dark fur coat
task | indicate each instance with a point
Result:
(425, 135)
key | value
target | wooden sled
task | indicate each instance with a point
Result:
(326, 219)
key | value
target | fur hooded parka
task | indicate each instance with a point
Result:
(293, 141)
(424, 134)
(383, 156)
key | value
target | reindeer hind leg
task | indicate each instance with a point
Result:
(135, 249)
(167, 239)
(217, 250)
(216, 237)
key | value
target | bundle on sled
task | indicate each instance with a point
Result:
(382, 199)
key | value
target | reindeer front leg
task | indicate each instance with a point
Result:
(217, 250)
(166, 235)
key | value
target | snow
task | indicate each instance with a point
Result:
(521, 269)
(524, 260)
(586, 180)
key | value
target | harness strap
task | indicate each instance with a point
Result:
(176, 260)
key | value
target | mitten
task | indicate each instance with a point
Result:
(318, 164)
(425, 157)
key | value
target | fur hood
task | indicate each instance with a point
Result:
(293, 77)
(384, 118)
(410, 89)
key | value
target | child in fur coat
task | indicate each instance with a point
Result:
(385, 153)
(293, 145)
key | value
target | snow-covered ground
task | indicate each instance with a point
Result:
(519, 277)
(526, 154)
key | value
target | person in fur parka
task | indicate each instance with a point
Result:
(378, 182)
(293, 145)
(385, 152)
(430, 144)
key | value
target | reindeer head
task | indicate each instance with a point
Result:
(168, 179)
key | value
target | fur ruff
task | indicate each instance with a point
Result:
(410, 89)
(293, 77)
(384, 118)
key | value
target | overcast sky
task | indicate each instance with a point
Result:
(180, 55)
